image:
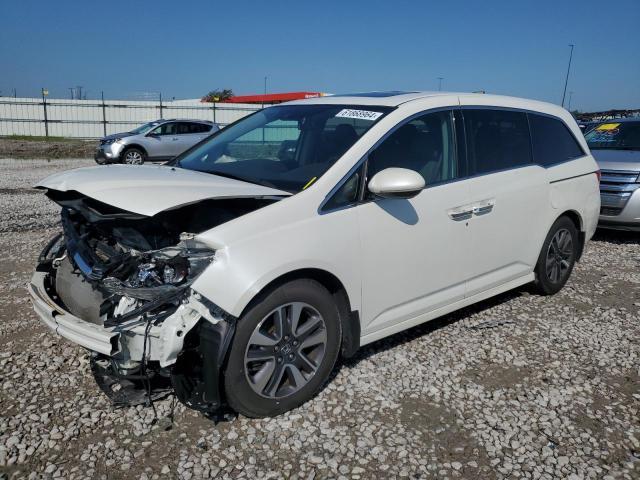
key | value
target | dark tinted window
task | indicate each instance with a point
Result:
(166, 129)
(426, 144)
(347, 193)
(552, 141)
(200, 127)
(496, 140)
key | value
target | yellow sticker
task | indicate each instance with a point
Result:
(608, 126)
(309, 183)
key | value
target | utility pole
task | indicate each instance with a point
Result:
(440, 83)
(566, 80)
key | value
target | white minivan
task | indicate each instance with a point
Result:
(241, 271)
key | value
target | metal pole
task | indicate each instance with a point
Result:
(160, 105)
(214, 112)
(46, 120)
(104, 115)
(566, 80)
(440, 83)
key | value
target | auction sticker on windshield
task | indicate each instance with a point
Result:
(608, 126)
(360, 114)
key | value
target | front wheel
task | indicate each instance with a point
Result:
(133, 156)
(284, 350)
(557, 258)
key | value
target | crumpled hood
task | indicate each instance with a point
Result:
(151, 189)
(617, 159)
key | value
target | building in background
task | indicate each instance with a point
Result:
(272, 98)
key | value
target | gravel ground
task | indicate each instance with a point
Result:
(520, 386)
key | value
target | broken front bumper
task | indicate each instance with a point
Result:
(125, 341)
(94, 337)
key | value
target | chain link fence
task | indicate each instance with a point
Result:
(98, 118)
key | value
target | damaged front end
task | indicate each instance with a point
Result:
(119, 284)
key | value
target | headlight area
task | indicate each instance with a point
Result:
(169, 337)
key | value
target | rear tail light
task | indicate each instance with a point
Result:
(599, 175)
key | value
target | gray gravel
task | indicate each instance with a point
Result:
(520, 386)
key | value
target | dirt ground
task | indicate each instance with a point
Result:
(49, 149)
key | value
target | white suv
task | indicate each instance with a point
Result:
(241, 271)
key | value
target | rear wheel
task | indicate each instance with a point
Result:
(557, 258)
(284, 350)
(133, 156)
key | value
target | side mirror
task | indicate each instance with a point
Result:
(396, 183)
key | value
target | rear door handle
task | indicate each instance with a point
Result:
(460, 213)
(482, 208)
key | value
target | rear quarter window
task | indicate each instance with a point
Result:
(552, 141)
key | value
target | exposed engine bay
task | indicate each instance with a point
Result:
(127, 277)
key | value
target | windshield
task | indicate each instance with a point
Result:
(287, 147)
(144, 128)
(615, 135)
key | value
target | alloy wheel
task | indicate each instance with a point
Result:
(133, 157)
(559, 256)
(285, 350)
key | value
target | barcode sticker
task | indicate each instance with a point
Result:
(361, 114)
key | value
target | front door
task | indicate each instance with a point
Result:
(164, 142)
(414, 252)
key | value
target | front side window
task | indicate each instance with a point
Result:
(496, 140)
(425, 144)
(144, 128)
(287, 147)
(169, 128)
(615, 135)
(552, 141)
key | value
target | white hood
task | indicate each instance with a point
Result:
(150, 189)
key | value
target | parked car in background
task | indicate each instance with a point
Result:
(244, 268)
(154, 141)
(615, 144)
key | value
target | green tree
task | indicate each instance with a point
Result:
(218, 95)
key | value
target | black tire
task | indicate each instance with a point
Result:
(240, 394)
(133, 156)
(556, 261)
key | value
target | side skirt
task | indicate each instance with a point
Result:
(385, 332)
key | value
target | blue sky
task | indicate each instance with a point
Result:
(187, 48)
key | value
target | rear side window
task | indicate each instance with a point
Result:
(200, 127)
(496, 140)
(552, 141)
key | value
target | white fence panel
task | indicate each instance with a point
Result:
(94, 118)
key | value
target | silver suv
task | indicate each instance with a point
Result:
(154, 141)
(615, 144)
